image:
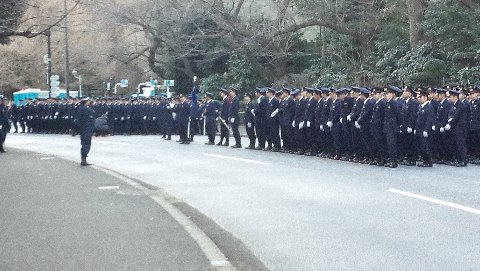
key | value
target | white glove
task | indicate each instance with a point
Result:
(55, 117)
(1, 127)
(450, 120)
(308, 124)
(122, 118)
(321, 128)
(425, 134)
(174, 115)
(232, 120)
(300, 126)
(433, 128)
(409, 130)
(341, 120)
(330, 124)
(57, 113)
(349, 118)
(274, 113)
(442, 129)
(128, 118)
(144, 117)
(154, 118)
(357, 125)
(66, 117)
(448, 127)
(414, 132)
(253, 111)
(293, 124)
(249, 125)
(217, 119)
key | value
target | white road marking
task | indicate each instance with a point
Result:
(237, 159)
(218, 261)
(47, 158)
(111, 142)
(109, 187)
(436, 201)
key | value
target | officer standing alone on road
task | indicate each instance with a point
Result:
(86, 126)
(4, 123)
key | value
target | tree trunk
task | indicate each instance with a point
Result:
(415, 10)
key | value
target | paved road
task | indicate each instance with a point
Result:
(58, 216)
(304, 213)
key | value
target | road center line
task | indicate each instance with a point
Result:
(436, 201)
(47, 158)
(237, 159)
(113, 187)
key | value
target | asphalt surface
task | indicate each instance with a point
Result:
(55, 215)
(305, 213)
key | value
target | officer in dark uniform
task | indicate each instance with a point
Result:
(441, 140)
(298, 121)
(210, 114)
(260, 113)
(4, 123)
(234, 117)
(376, 127)
(391, 124)
(409, 115)
(309, 123)
(363, 124)
(326, 140)
(224, 114)
(14, 114)
(424, 120)
(287, 113)
(334, 124)
(475, 124)
(182, 111)
(358, 147)
(347, 103)
(85, 120)
(273, 124)
(458, 123)
(250, 120)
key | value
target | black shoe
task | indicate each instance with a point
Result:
(300, 152)
(237, 146)
(276, 150)
(2, 150)
(337, 157)
(226, 144)
(258, 148)
(461, 164)
(210, 143)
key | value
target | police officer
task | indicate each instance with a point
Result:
(334, 124)
(475, 124)
(250, 120)
(224, 114)
(234, 118)
(457, 123)
(376, 127)
(409, 114)
(85, 120)
(391, 124)
(298, 121)
(4, 123)
(210, 114)
(425, 118)
(309, 123)
(260, 113)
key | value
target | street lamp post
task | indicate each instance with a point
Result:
(79, 77)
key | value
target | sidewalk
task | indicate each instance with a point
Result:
(56, 215)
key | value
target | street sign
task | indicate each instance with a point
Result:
(153, 83)
(54, 83)
(46, 59)
(124, 83)
(169, 83)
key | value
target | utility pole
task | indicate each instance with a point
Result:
(67, 68)
(49, 65)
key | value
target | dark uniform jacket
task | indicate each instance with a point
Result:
(85, 120)
(425, 119)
